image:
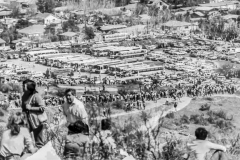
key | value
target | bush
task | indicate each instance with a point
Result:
(170, 115)
(4, 106)
(222, 124)
(118, 104)
(184, 119)
(209, 98)
(221, 114)
(198, 119)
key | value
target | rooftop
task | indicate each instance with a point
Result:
(230, 16)
(112, 27)
(68, 34)
(34, 29)
(204, 8)
(176, 24)
(42, 15)
(219, 4)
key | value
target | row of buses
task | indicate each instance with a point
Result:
(87, 63)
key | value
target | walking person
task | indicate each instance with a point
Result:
(77, 123)
(33, 106)
(16, 138)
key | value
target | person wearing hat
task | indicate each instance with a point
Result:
(15, 138)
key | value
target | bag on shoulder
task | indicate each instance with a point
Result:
(36, 119)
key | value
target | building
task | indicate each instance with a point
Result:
(159, 3)
(180, 27)
(197, 15)
(20, 44)
(32, 32)
(71, 36)
(47, 18)
(229, 5)
(204, 10)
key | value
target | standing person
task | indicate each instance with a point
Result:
(77, 121)
(32, 103)
(16, 138)
(200, 147)
(175, 106)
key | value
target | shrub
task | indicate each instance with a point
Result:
(198, 119)
(170, 115)
(209, 98)
(221, 114)
(118, 104)
(4, 106)
(184, 119)
(222, 124)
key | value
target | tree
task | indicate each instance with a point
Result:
(22, 23)
(15, 12)
(70, 25)
(9, 34)
(45, 6)
(89, 33)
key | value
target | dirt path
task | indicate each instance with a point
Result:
(153, 122)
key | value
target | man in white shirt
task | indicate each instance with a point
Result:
(200, 147)
(77, 121)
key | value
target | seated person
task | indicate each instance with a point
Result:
(15, 138)
(200, 147)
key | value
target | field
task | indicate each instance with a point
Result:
(228, 105)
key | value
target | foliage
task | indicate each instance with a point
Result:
(170, 115)
(4, 106)
(9, 34)
(50, 31)
(119, 3)
(118, 104)
(215, 28)
(46, 6)
(15, 12)
(70, 25)
(140, 9)
(22, 23)
(225, 69)
(198, 119)
(89, 33)
(16, 87)
(184, 119)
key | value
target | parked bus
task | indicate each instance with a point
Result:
(131, 56)
(115, 37)
(41, 52)
(147, 69)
